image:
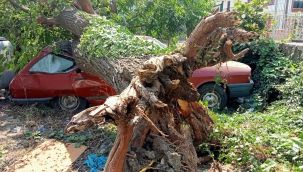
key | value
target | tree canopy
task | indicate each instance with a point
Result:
(165, 20)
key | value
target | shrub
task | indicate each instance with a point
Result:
(269, 69)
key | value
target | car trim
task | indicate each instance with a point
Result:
(30, 100)
(240, 90)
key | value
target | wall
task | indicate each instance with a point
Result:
(293, 50)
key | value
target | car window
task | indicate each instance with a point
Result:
(52, 64)
(6, 49)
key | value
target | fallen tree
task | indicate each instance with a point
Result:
(158, 118)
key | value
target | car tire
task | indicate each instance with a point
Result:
(70, 103)
(5, 78)
(214, 94)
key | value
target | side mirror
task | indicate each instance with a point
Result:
(78, 70)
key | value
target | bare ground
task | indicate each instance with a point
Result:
(23, 128)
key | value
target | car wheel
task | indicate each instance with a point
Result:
(71, 103)
(213, 94)
(5, 78)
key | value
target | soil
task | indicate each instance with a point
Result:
(25, 129)
(49, 156)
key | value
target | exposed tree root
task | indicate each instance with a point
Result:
(157, 114)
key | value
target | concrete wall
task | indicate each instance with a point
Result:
(293, 50)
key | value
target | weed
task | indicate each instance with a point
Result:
(83, 138)
(36, 135)
(262, 140)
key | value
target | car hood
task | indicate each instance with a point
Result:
(230, 68)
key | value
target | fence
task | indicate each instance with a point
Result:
(290, 28)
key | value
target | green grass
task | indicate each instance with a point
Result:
(262, 141)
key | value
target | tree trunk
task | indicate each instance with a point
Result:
(158, 118)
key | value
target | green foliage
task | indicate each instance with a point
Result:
(36, 135)
(165, 20)
(27, 36)
(269, 68)
(83, 138)
(265, 141)
(113, 41)
(78, 138)
(271, 139)
(252, 14)
(292, 89)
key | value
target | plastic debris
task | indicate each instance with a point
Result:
(95, 163)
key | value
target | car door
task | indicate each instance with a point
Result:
(49, 77)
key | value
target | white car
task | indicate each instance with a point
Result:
(6, 53)
(6, 48)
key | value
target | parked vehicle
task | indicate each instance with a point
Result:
(217, 84)
(6, 52)
(6, 48)
(55, 78)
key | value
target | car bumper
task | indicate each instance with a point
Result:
(240, 90)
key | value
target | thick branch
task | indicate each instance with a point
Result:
(85, 5)
(198, 38)
(113, 6)
(50, 22)
(229, 53)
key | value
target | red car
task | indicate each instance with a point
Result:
(55, 78)
(216, 84)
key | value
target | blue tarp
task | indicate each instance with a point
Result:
(95, 163)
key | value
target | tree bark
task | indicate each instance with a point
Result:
(157, 109)
(198, 38)
(85, 5)
(113, 6)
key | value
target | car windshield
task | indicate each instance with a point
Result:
(52, 64)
